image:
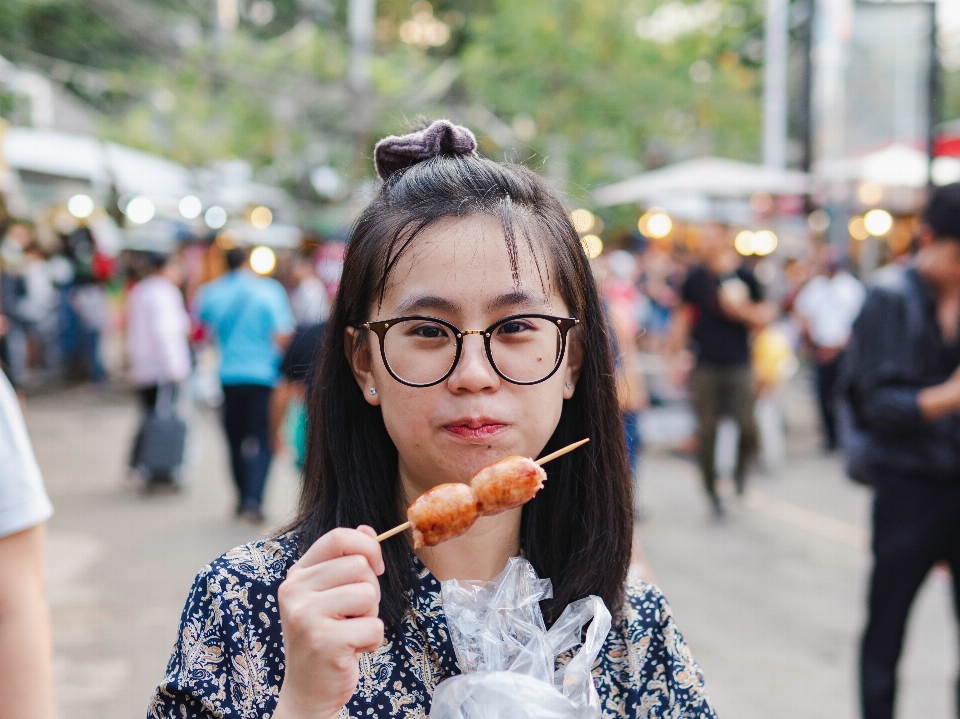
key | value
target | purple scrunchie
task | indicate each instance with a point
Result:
(441, 137)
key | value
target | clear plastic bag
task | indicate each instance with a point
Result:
(508, 657)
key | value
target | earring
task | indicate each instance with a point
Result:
(373, 390)
(569, 386)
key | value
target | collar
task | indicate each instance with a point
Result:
(426, 603)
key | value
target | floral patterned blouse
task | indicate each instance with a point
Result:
(228, 661)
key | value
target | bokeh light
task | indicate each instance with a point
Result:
(656, 224)
(764, 242)
(582, 220)
(215, 217)
(81, 206)
(878, 222)
(190, 207)
(140, 209)
(262, 260)
(261, 217)
(857, 229)
(592, 246)
(743, 242)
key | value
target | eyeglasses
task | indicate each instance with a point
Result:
(424, 351)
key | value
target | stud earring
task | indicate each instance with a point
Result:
(373, 390)
(569, 386)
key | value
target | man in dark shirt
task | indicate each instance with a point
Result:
(722, 303)
(903, 385)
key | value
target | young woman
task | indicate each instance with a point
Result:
(467, 328)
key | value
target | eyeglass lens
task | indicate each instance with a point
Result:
(421, 351)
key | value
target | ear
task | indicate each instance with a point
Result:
(360, 357)
(925, 235)
(574, 363)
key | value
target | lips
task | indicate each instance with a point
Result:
(479, 429)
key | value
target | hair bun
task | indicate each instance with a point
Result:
(441, 137)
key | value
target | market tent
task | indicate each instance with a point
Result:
(706, 176)
(896, 165)
(55, 153)
(60, 154)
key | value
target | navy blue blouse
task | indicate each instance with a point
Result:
(229, 662)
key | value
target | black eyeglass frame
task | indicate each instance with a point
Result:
(564, 325)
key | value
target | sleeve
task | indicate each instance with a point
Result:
(882, 400)
(201, 306)
(228, 658)
(664, 681)
(280, 310)
(753, 284)
(23, 499)
(196, 678)
(171, 326)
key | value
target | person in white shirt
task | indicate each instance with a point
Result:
(826, 308)
(26, 677)
(309, 300)
(158, 327)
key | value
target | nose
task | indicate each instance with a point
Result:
(473, 372)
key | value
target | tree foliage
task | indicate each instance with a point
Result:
(573, 87)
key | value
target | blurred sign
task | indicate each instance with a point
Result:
(888, 76)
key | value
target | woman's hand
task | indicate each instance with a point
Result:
(328, 611)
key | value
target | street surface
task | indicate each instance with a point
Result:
(771, 599)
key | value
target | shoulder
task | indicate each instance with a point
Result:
(647, 668)
(264, 562)
(228, 659)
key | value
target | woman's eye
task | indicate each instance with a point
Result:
(514, 327)
(429, 332)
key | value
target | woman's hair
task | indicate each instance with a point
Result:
(578, 529)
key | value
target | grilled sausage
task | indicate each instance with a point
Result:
(506, 484)
(442, 513)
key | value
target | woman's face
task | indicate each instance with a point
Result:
(458, 270)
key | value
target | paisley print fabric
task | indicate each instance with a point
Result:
(228, 660)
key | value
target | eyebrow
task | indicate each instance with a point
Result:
(442, 304)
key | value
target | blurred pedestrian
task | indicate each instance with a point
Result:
(309, 299)
(722, 302)
(826, 308)
(157, 329)
(26, 677)
(251, 320)
(901, 374)
(623, 304)
(288, 411)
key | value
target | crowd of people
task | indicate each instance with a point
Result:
(694, 323)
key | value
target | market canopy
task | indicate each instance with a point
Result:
(707, 176)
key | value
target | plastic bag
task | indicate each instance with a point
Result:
(508, 657)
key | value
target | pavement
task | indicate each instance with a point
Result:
(770, 599)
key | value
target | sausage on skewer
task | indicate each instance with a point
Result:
(449, 510)
(506, 484)
(442, 513)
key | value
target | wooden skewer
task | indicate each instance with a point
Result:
(562, 451)
(396, 530)
(542, 461)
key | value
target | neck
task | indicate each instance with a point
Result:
(479, 554)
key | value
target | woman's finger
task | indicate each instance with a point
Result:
(363, 634)
(336, 572)
(343, 542)
(346, 602)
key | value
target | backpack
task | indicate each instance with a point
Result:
(855, 440)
